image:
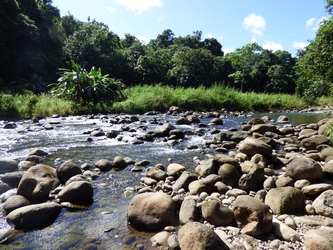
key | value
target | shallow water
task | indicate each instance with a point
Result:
(104, 223)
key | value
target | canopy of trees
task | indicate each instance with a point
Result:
(35, 41)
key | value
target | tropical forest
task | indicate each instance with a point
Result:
(58, 64)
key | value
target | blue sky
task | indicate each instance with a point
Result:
(273, 24)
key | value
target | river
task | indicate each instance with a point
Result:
(103, 225)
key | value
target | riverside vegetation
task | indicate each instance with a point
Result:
(140, 99)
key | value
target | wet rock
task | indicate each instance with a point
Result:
(182, 121)
(10, 125)
(216, 213)
(97, 133)
(255, 120)
(252, 215)
(188, 211)
(119, 162)
(194, 235)
(175, 168)
(14, 202)
(151, 211)
(304, 168)
(112, 134)
(282, 119)
(4, 188)
(165, 129)
(38, 152)
(285, 200)
(251, 146)
(37, 182)
(12, 178)
(230, 175)
(77, 191)
(104, 165)
(160, 239)
(67, 170)
(8, 165)
(216, 121)
(319, 239)
(323, 204)
(34, 216)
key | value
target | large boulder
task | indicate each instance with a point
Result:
(304, 168)
(104, 165)
(207, 167)
(252, 215)
(151, 211)
(253, 180)
(251, 146)
(323, 204)
(230, 175)
(8, 165)
(12, 178)
(195, 235)
(77, 191)
(285, 200)
(313, 142)
(165, 128)
(14, 202)
(37, 182)
(67, 170)
(216, 213)
(319, 239)
(34, 216)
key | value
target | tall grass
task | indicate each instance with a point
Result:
(140, 99)
(146, 97)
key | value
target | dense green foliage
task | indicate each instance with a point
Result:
(35, 41)
(82, 86)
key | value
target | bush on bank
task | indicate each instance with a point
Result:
(140, 99)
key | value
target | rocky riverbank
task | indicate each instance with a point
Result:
(267, 185)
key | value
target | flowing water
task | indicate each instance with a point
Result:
(104, 224)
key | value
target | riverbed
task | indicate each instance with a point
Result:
(103, 225)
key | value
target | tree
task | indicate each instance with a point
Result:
(93, 45)
(193, 67)
(315, 64)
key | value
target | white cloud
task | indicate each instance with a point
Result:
(314, 23)
(227, 50)
(272, 46)
(255, 24)
(143, 39)
(139, 6)
(109, 9)
(310, 22)
(299, 45)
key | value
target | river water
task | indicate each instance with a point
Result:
(103, 224)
